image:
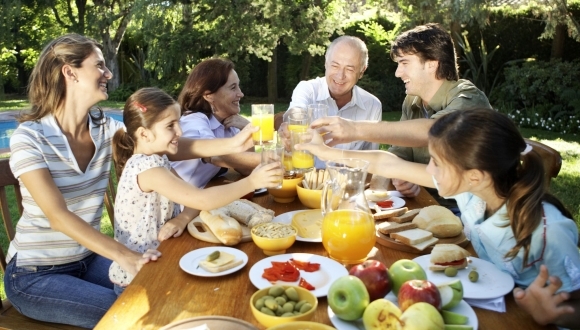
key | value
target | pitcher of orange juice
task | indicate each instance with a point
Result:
(348, 227)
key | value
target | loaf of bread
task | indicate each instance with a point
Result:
(438, 220)
(249, 213)
(225, 228)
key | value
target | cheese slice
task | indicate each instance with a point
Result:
(308, 223)
(224, 262)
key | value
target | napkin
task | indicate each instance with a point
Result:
(494, 304)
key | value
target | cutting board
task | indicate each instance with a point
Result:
(385, 240)
(201, 231)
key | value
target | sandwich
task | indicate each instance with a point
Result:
(223, 262)
(448, 255)
(383, 215)
(438, 220)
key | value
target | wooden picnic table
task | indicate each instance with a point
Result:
(163, 293)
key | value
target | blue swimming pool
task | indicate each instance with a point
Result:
(8, 127)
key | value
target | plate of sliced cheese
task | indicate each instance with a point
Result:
(213, 261)
(308, 223)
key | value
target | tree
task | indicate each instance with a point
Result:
(559, 22)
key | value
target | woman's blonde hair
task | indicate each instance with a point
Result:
(47, 87)
(142, 109)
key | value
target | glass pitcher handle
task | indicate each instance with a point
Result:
(324, 198)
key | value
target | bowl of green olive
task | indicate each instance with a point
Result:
(280, 304)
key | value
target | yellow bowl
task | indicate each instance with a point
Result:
(287, 193)
(271, 321)
(273, 246)
(302, 325)
(309, 197)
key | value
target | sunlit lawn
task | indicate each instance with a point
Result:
(564, 186)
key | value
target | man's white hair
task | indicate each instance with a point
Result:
(353, 42)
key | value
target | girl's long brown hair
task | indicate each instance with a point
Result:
(489, 141)
(47, 87)
(142, 109)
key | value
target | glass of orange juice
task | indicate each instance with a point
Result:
(298, 119)
(263, 117)
(302, 160)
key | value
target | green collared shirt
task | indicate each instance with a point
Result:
(451, 96)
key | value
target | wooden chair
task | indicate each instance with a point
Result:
(10, 318)
(551, 157)
(110, 199)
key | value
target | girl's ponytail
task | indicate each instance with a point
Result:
(524, 202)
(123, 146)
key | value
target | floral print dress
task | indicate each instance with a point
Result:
(139, 215)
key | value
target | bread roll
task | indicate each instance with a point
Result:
(225, 228)
(249, 213)
(438, 220)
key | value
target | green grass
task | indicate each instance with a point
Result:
(564, 186)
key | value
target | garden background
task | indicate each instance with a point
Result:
(525, 55)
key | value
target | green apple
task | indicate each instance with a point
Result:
(451, 293)
(458, 327)
(403, 270)
(453, 318)
(421, 316)
(348, 297)
(381, 314)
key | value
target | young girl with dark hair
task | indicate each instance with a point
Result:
(146, 210)
(479, 158)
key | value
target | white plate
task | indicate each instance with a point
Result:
(463, 308)
(492, 282)
(190, 261)
(287, 219)
(397, 203)
(321, 279)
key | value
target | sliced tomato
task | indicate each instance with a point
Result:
(306, 266)
(385, 204)
(451, 263)
(305, 284)
(282, 271)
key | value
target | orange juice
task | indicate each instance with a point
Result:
(302, 160)
(348, 235)
(266, 124)
(288, 163)
(298, 128)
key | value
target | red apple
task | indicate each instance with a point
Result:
(375, 276)
(414, 291)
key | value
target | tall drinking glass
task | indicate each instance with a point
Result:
(271, 153)
(302, 160)
(318, 110)
(298, 119)
(263, 117)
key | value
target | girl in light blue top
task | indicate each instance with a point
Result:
(479, 158)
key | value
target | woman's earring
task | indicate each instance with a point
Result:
(212, 108)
